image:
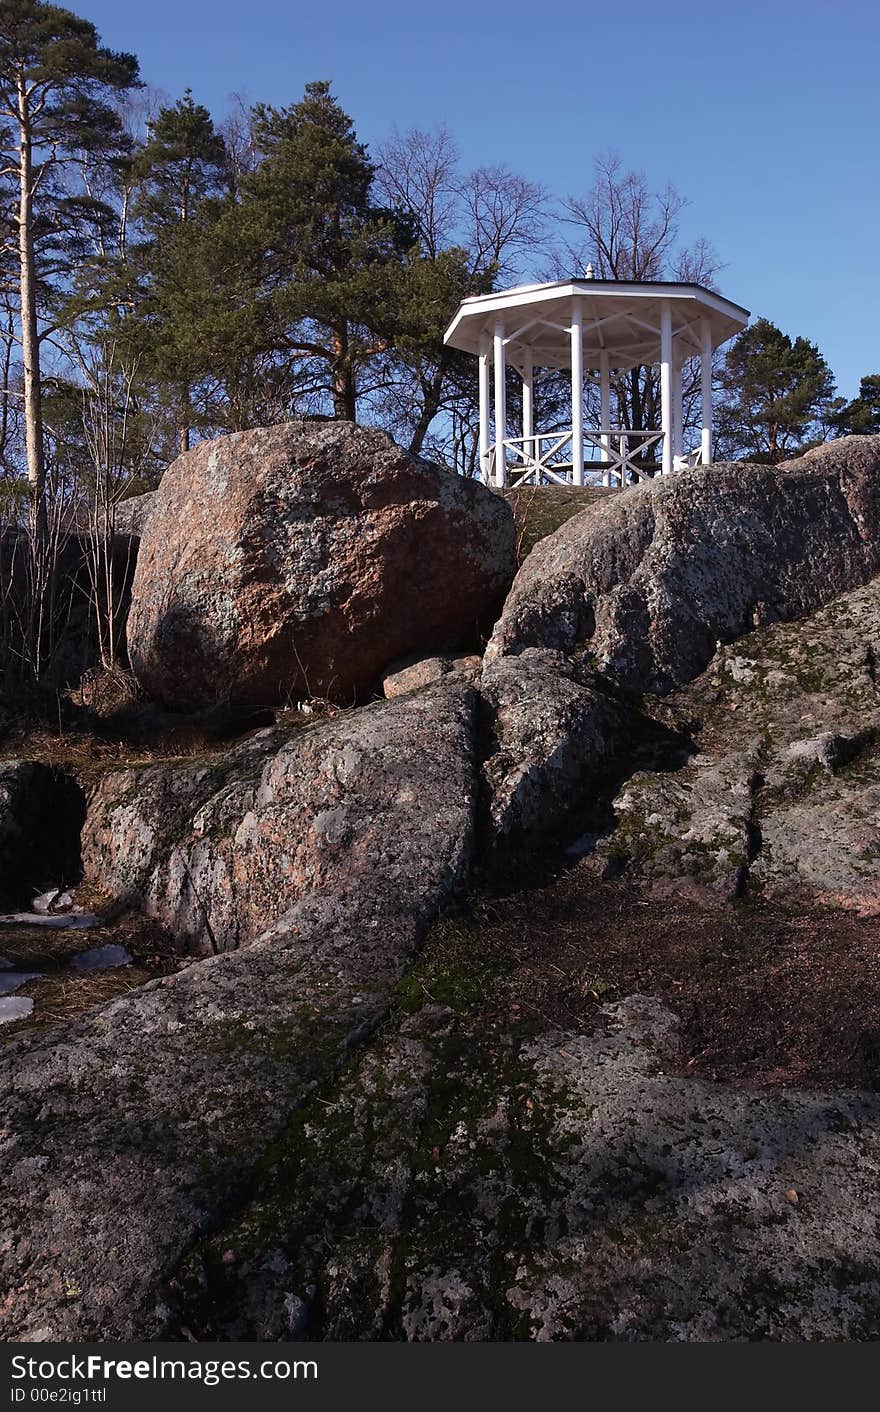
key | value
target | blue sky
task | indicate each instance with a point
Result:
(765, 115)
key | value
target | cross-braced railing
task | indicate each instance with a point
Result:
(612, 456)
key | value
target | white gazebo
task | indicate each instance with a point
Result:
(596, 328)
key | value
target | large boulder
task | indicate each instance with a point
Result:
(300, 560)
(650, 581)
(132, 1131)
(218, 849)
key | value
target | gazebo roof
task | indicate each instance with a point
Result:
(620, 317)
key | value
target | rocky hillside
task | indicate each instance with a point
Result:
(538, 1001)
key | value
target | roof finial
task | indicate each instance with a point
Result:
(588, 272)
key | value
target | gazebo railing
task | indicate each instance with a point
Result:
(529, 459)
(547, 456)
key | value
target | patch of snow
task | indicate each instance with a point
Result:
(14, 980)
(101, 958)
(15, 1007)
(77, 920)
(52, 901)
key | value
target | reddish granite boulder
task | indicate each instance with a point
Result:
(300, 560)
(415, 673)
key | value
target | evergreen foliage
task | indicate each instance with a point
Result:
(861, 417)
(163, 278)
(776, 391)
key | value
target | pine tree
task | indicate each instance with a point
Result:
(775, 391)
(205, 319)
(56, 81)
(180, 166)
(861, 417)
(335, 261)
(181, 163)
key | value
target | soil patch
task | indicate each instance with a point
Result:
(767, 997)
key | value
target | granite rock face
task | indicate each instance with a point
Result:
(306, 1136)
(299, 561)
(556, 735)
(459, 1186)
(130, 1132)
(218, 850)
(649, 582)
(781, 794)
(131, 515)
(409, 675)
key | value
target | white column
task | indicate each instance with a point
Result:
(666, 384)
(677, 408)
(500, 405)
(706, 391)
(577, 395)
(528, 406)
(485, 434)
(605, 411)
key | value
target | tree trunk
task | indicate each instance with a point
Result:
(344, 400)
(8, 342)
(430, 408)
(30, 338)
(635, 405)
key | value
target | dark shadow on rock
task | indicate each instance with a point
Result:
(527, 863)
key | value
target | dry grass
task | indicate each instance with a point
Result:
(539, 510)
(82, 753)
(59, 998)
(106, 691)
(64, 994)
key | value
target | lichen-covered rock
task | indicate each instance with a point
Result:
(195, 1160)
(650, 581)
(556, 734)
(760, 1199)
(298, 561)
(573, 1186)
(129, 1133)
(217, 850)
(782, 790)
(689, 830)
(130, 516)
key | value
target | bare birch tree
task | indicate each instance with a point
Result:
(476, 230)
(628, 230)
